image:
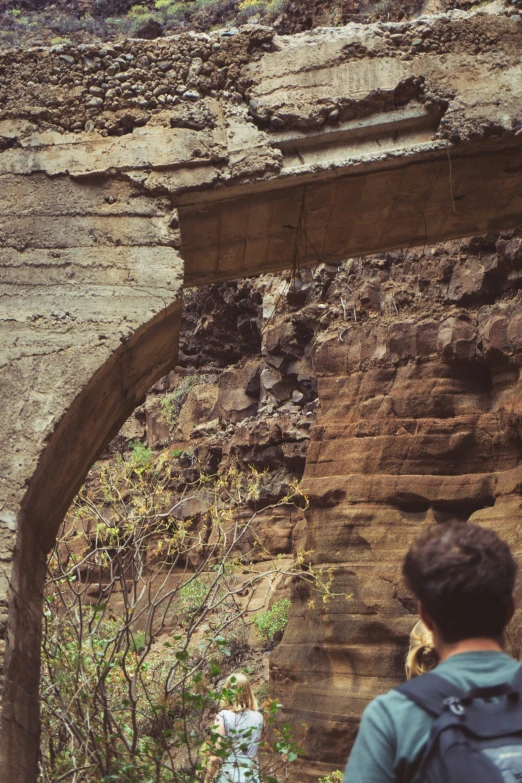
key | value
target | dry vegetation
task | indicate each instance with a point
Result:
(146, 611)
(32, 22)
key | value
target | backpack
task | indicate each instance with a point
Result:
(476, 737)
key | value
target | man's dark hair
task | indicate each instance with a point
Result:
(464, 576)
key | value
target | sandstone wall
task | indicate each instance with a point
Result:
(419, 422)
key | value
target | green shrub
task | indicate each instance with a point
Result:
(147, 698)
(138, 641)
(273, 620)
(139, 12)
(193, 594)
(170, 5)
(333, 777)
(141, 456)
(173, 402)
(171, 10)
(96, 667)
(119, 25)
(251, 7)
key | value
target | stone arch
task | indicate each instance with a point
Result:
(90, 278)
(90, 322)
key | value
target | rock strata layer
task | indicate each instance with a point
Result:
(419, 422)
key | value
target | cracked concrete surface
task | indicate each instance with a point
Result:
(384, 135)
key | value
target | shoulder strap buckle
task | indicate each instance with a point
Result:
(430, 692)
(455, 705)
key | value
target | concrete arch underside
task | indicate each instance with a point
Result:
(98, 234)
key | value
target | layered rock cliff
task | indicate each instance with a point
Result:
(419, 422)
(243, 395)
(416, 359)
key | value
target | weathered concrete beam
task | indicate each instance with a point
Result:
(425, 146)
(383, 136)
(402, 201)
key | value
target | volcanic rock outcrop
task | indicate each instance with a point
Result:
(245, 397)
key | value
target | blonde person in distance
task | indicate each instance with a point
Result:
(422, 656)
(240, 724)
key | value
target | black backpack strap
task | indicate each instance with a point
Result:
(429, 692)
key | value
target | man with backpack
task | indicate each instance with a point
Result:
(462, 722)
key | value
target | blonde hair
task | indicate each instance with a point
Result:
(422, 656)
(238, 694)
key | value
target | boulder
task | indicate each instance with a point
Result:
(275, 383)
(157, 424)
(199, 408)
(234, 402)
(457, 339)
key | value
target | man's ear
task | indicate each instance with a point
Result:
(424, 616)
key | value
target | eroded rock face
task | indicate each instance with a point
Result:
(419, 422)
(241, 398)
(416, 359)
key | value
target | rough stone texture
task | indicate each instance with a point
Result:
(376, 136)
(345, 108)
(91, 307)
(419, 421)
(424, 370)
(281, 151)
(199, 410)
(239, 392)
(212, 432)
